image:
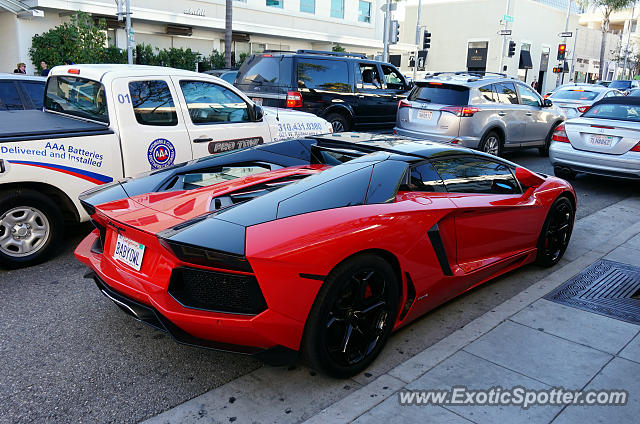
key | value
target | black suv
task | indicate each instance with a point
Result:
(346, 89)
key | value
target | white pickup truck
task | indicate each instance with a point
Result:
(104, 122)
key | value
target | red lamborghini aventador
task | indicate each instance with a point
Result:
(326, 258)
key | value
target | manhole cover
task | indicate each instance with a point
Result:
(606, 288)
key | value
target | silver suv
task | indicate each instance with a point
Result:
(488, 112)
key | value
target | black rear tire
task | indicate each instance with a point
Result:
(544, 150)
(556, 232)
(492, 143)
(352, 316)
(31, 228)
(339, 122)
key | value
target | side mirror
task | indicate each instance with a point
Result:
(528, 178)
(258, 113)
(547, 103)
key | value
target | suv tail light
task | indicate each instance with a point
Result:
(583, 109)
(403, 103)
(294, 99)
(559, 134)
(635, 148)
(465, 111)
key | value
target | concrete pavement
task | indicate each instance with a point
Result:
(526, 341)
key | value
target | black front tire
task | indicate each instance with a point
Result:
(31, 228)
(339, 122)
(352, 316)
(556, 232)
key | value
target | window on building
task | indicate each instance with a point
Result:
(275, 3)
(474, 175)
(152, 103)
(364, 11)
(308, 6)
(210, 103)
(337, 9)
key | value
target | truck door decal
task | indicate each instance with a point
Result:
(76, 172)
(161, 153)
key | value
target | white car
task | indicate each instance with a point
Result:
(575, 100)
(104, 122)
(605, 140)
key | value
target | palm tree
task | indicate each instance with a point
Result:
(607, 7)
(228, 33)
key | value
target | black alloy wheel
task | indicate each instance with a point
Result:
(556, 232)
(352, 317)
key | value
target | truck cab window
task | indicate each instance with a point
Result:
(152, 103)
(210, 103)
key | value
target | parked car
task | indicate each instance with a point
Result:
(104, 122)
(327, 258)
(605, 140)
(488, 112)
(21, 92)
(229, 75)
(625, 85)
(575, 100)
(346, 89)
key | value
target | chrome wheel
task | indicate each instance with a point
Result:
(358, 318)
(24, 230)
(338, 126)
(491, 145)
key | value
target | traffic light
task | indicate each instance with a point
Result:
(394, 32)
(512, 48)
(562, 50)
(426, 40)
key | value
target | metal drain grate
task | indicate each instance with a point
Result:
(606, 288)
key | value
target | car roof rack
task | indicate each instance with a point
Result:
(328, 53)
(276, 51)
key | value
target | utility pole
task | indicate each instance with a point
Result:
(385, 36)
(128, 29)
(415, 58)
(564, 39)
(573, 54)
(504, 37)
(626, 53)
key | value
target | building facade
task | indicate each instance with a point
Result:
(357, 25)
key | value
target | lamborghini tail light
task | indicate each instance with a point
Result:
(206, 257)
(583, 109)
(635, 148)
(294, 99)
(560, 135)
(462, 111)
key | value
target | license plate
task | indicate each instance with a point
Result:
(425, 114)
(257, 100)
(600, 140)
(129, 252)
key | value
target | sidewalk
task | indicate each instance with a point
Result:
(526, 341)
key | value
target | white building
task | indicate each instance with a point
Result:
(465, 36)
(357, 25)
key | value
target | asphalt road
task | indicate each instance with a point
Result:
(67, 354)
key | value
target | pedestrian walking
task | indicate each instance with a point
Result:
(534, 84)
(45, 68)
(21, 68)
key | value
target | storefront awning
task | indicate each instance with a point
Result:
(525, 60)
(13, 6)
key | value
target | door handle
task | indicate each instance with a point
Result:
(360, 96)
(528, 113)
(202, 140)
(501, 113)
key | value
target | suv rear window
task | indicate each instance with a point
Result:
(323, 74)
(269, 73)
(440, 93)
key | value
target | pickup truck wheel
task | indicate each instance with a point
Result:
(31, 227)
(338, 122)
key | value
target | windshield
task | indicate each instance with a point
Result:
(445, 94)
(574, 94)
(77, 96)
(620, 112)
(620, 84)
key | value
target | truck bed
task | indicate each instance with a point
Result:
(23, 125)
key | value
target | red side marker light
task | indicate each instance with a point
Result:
(74, 71)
